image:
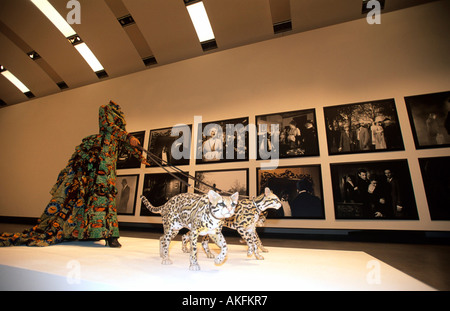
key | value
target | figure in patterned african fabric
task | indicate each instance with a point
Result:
(83, 202)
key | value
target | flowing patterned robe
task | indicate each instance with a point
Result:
(83, 204)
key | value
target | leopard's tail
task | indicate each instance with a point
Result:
(150, 207)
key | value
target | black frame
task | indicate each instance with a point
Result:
(216, 186)
(305, 144)
(429, 132)
(352, 200)
(133, 189)
(436, 181)
(160, 139)
(159, 188)
(366, 113)
(283, 181)
(202, 140)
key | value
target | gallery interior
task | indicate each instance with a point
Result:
(340, 110)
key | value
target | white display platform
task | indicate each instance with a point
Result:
(90, 265)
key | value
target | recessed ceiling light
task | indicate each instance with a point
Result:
(33, 55)
(52, 14)
(200, 19)
(90, 58)
(54, 17)
(13, 79)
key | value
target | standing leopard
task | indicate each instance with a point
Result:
(201, 214)
(248, 215)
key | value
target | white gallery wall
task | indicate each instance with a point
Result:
(407, 54)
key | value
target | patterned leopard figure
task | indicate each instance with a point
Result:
(248, 215)
(201, 214)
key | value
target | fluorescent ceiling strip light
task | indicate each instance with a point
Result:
(12, 78)
(54, 17)
(200, 19)
(90, 58)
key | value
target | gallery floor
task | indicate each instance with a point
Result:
(290, 264)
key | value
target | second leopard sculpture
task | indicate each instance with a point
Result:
(249, 214)
(201, 214)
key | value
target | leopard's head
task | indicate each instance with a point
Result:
(222, 206)
(268, 200)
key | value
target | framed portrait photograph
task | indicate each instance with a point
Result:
(429, 116)
(373, 190)
(172, 145)
(287, 134)
(298, 187)
(436, 181)
(224, 182)
(222, 141)
(125, 159)
(127, 186)
(159, 188)
(363, 127)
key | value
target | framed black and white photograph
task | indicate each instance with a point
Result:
(224, 182)
(159, 188)
(373, 190)
(125, 157)
(126, 194)
(298, 187)
(363, 127)
(172, 145)
(222, 141)
(436, 181)
(429, 116)
(287, 134)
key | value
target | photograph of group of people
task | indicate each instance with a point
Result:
(373, 190)
(363, 127)
(296, 133)
(298, 187)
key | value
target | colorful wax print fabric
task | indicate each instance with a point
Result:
(83, 202)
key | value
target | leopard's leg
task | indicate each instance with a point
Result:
(185, 240)
(254, 241)
(161, 246)
(164, 245)
(219, 239)
(193, 256)
(259, 243)
(205, 246)
(246, 237)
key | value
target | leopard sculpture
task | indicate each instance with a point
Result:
(201, 214)
(248, 215)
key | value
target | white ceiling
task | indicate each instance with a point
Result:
(162, 29)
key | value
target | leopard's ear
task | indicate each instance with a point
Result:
(235, 197)
(267, 191)
(213, 197)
